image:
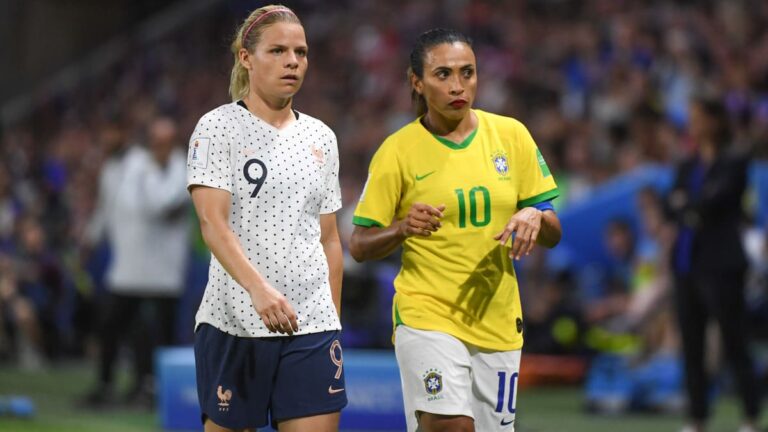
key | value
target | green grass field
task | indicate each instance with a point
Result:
(539, 409)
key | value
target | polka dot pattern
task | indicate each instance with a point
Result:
(280, 182)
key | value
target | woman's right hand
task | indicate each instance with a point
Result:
(275, 311)
(422, 219)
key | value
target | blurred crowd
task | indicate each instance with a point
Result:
(603, 86)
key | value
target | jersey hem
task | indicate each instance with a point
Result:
(333, 209)
(190, 185)
(250, 332)
(515, 346)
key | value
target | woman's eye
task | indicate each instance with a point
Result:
(276, 51)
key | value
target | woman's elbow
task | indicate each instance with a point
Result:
(207, 231)
(355, 249)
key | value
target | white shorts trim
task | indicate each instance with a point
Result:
(440, 374)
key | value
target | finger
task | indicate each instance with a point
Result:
(422, 225)
(285, 324)
(521, 240)
(275, 321)
(421, 216)
(435, 222)
(426, 208)
(419, 231)
(507, 233)
(534, 236)
(267, 322)
(291, 315)
(522, 247)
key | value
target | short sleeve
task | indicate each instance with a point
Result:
(332, 197)
(381, 193)
(208, 160)
(537, 183)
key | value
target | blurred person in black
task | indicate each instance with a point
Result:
(31, 288)
(708, 259)
(142, 210)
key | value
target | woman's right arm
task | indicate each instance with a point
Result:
(369, 243)
(213, 207)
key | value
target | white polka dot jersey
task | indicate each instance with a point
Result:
(281, 181)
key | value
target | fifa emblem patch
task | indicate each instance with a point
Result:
(500, 162)
(198, 152)
(433, 382)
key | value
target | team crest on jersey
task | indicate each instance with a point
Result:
(433, 382)
(500, 162)
(318, 155)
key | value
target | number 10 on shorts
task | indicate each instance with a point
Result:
(503, 392)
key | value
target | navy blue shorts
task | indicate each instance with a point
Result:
(244, 382)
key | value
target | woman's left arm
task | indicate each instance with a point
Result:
(329, 238)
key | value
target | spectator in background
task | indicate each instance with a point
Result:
(9, 209)
(553, 321)
(142, 211)
(40, 278)
(708, 259)
(610, 295)
(31, 286)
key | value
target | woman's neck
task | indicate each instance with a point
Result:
(454, 130)
(277, 112)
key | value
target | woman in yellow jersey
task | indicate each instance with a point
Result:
(464, 192)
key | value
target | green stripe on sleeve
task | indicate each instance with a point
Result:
(548, 195)
(361, 221)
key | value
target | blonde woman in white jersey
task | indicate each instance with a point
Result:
(264, 181)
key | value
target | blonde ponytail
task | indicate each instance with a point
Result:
(238, 80)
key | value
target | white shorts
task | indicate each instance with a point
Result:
(443, 375)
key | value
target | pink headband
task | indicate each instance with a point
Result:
(261, 17)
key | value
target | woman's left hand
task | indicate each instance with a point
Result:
(525, 225)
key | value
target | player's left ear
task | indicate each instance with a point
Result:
(245, 58)
(417, 84)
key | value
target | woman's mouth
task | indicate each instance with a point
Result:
(458, 103)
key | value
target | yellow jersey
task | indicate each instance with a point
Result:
(459, 280)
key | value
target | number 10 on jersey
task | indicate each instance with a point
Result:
(474, 219)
